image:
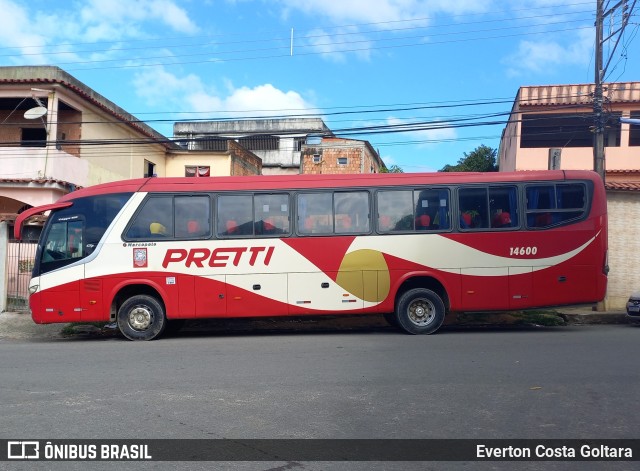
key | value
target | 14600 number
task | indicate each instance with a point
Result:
(523, 250)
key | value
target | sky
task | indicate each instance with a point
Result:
(423, 81)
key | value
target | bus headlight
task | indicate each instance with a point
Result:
(33, 289)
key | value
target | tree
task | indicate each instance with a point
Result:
(391, 169)
(482, 159)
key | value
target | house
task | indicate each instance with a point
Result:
(286, 145)
(338, 155)
(57, 134)
(551, 126)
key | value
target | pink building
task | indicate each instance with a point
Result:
(551, 126)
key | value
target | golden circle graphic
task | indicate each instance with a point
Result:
(365, 274)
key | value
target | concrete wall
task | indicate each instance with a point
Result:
(4, 243)
(624, 246)
(39, 162)
(119, 161)
(577, 158)
(220, 163)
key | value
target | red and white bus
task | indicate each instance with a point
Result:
(149, 252)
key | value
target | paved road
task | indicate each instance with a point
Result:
(564, 382)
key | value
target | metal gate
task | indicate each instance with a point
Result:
(20, 258)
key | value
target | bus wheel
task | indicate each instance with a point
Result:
(141, 317)
(420, 311)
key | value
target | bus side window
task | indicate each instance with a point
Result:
(315, 214)
(271, 215)
(395, 210)
(192, 216)
(473, 203)
(235, 215)
(154, 220)
(432, 209)
(503, 206)
(351, 211)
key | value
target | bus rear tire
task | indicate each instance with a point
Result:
(420, 311)
(141, 317)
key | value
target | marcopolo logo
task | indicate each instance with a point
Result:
(23, 450)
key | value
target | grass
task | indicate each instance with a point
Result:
(70, 329)
(547, 317)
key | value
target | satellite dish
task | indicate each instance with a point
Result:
(35, 113)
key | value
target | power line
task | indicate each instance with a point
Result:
(378, 25)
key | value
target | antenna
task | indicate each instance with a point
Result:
(35, 113)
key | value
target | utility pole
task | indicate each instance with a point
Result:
(598, 136)
(600, 71)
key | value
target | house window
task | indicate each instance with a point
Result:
(343, 161)
(149, 169)
(33, 137)
(540, 130)
(260, 142)
(197, 171)
(317, 158)
(634, 130)
(298, 142)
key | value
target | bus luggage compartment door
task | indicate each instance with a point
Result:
(257, 294)
(210, 296)
(319, 291)
(484, 288)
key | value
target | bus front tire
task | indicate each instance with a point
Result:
(141, 317)
(420, 311)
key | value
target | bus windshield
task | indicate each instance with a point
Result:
(73, 233)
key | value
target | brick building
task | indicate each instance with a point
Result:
(337, 155)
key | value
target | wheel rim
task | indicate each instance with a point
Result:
(421, 312)
(140, 318)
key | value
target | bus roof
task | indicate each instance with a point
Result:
(294, 182)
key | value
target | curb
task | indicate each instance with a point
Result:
(20, 325)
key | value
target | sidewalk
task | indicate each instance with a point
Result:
(14, 325)
(19, 325)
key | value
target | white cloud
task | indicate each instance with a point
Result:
(334, 46)
(541, 56)
(35, 33)
(384, 11)
(266, 99)
(159, 87)
(113, 19)
(17, 31)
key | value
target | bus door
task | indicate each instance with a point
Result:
(62, 246)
